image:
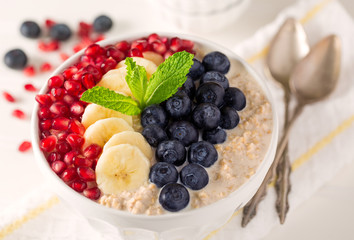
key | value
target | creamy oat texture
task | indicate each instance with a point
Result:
(239, 156)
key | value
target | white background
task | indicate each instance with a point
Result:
(328, 214)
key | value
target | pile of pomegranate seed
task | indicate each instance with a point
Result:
(60, 109)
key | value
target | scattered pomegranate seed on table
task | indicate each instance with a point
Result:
(50, 46)
(45, 67)
(29, 71)
(19, 114)
(25, 146)
(8, 97)
(29, 87)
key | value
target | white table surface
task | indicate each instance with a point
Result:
(328, 214)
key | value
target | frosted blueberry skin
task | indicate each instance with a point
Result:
(179, 105)
(30, 29)
(171, 151)
(203, 153)
(15, 59)
(194, 176)
(188, 87)
(216, 61)
(196, 70)
(154, 134)
(174, 197)
(216, 77)
(102, 23)
(229, 118)
(162, 173)
(235, 98)
(183, 131)
(154, 115)
(206, 116)
(210, 92)
(215, 136)
(60, 32)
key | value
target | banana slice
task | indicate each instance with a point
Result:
(122, 167)
(115, 80)
(132, 138)
(94, 112)
(102, 130)
(147, 64)
(154, 57)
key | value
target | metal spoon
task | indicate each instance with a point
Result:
(287, 48)
(312, 80)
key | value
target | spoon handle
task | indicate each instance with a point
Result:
(249, 211)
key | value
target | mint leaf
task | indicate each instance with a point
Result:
(110, 99)
(169, 76)
(136, 79)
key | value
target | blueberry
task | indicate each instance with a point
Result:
(210, 92)
(194, 176)
(154, 134)
(197, 69)
(102, 23)
(179, 105)
(216, 61)
(188, 87)
(206, 116)
(229, 118)
(162, 173)
(183, 131)
(203, 153)
(171, 151)
(217, 77)
(214, 136)
(174, 197)
(15, 59)
(60, 32)
(235, 98)
(30, 29)
(154, 114)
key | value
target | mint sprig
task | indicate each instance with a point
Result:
(164, 82)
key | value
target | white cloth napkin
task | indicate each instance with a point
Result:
(320, 143)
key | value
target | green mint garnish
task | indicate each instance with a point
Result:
(164, 82)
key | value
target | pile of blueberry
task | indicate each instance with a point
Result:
(174, 126)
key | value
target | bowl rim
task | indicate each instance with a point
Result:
(44, 166)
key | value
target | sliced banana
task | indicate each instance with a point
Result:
(122, 168)
(102, 130)
(147, 64)
(154, 57)
(115, 80)
(94, 112)
(132, 138)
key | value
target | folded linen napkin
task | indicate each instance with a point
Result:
(320, 143)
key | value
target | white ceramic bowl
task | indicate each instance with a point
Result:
(193, 224)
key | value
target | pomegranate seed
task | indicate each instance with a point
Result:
(168, 54)
(77, 76)
(54, 156)
(88, 80)
(60, 123)
(29, 87)
(25, 146)
(108, 64)
(63, 56)
(58, 166)
(73, 87)
(48, 46)
(69, 174)
(86, 173)
(134, 52)
(29, 71)
(99, 60)
(116, 54)
(68, 73)
(48, 144)
(123, 46)
(78, 185)
(49, 23)
(57, 93)
(63, 147)
(43, 99)
(142, 45)
(75, 140)
(187, 44)
(153, 37)
(86, 59)
(45, 125)
(84, 29)
(76, 127)
(92, 151)
(45, 67)
(99, 38)
(94, 50)
(83, 162)
(59, 109)
(70, 156)
(159, 47)
(19, 114)
(77, 109)
(166, 41)
(176, 44)
(92, 193)
(8, 97)
(96, 73)
(44, 113)
(62, 136)
(68, 99)
(56, 81)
